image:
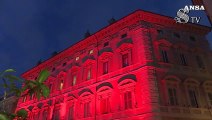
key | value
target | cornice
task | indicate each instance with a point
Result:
(133, 18)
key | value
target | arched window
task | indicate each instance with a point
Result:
(73, 74)
(164, 48)
(182, 54)
(126, 86)
(104, 91)
(170, 87)
(86, 102)
(71, 100)
(207, 85)
(56, 114)
(192, 88)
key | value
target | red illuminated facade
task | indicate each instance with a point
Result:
(142, 67)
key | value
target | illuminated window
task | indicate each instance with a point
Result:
(105, 67)
(165, 56)
(124, 36)
(87, 109)
(89, 74)
(183, 59)
(61, 85)
(91, 52)
(24, 99)
(200, 62)
(74, 79)
(172, 96)
(125, 60)
(71, 113)
(193, 98)
(210, 98)
(106, 44)
(77, 58)
(127, 100)
(31, 97)
(105, 105)
(56, 115)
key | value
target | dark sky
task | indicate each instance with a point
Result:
(32, 29)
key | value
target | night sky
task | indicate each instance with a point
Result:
(32, 29)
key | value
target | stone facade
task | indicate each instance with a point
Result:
(144, 66)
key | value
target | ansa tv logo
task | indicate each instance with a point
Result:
(182, 14)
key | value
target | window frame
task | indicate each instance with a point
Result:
(125, 60)
(86, 109)
(165, 57)
(192, 84)
(128, 100)
(70, 114)
(105, 67)
(55, 112)
(194, 100)
(200, 62)
(74, 79)
(173, 100)
(183, 59)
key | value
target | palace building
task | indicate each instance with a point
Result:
(144, 66)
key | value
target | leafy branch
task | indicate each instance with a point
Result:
(30, 87)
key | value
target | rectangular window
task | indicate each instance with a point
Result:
(192, 38)
(125, 60)
(165, 56)
(89, 74)
(172, 96)
(56, 115)
(183, 59)
(31, 97)
(210, 98)
(24, 99)
(74, 80)
(200, 62)
(105, 67)
(128, 100)
(176, 35)
(160, 32)
(87, 109)
(124, 36)
(193, 98)
(71, 113)
(106, 44)
(105, 105)
(64, 64)
(61, 85)
(50, 87)
(91, 52)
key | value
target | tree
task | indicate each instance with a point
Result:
(36, 87)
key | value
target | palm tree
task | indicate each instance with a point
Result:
(36, 87)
